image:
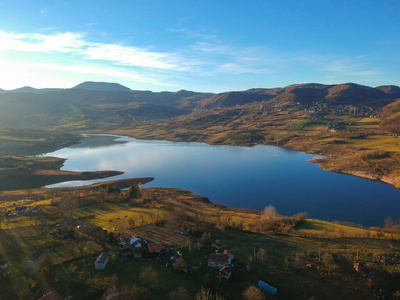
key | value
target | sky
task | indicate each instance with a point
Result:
(204, 46)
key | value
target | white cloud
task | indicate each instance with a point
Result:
(75, 43)
(133, 56)
(34, 42)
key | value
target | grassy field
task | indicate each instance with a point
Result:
(316, 254)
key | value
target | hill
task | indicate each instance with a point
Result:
(308, 94)
(91, 105)
(101, 86)
(390, 89)
(101, 105)
(390, 117)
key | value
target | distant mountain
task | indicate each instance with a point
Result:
(309, 93)
(101, 86)
(100, 104)
(390, 89)
(28, 89)
(91, 108)
(231, 99)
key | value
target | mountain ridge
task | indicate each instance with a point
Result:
(100, 103)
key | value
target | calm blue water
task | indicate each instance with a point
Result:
(239, 177)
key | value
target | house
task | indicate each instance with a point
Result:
(135, 242)
(35, 209)
(101, 261)
(157, 248)
(53, 295)
(127, 239)
(220, 260)
(21, 210)
(34, 261)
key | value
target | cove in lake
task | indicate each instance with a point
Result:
(239, 177)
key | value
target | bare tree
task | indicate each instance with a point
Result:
(298, 260)
(269, 213)
(253, 293)
(206, 294)
(328, 260)
(69, 247)
(149, 276)
(388, 222)
(179, 294)
(133, 293)
(66, 208)
(286, 263)
(261, 253)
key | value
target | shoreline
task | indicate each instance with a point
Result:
(322, 161)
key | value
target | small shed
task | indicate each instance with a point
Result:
(101, 261)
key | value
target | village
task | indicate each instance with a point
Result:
(159, 242)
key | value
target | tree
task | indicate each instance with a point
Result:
(133, 293)
(269, 213)
(286, 263)
(206, 294)
(69, 246)
(66, 209)
(149, 276)
(388, 223)
(179, 294)
(328, 260)
(253, 293)
(261, 253)
(134, 192)
(298, 260)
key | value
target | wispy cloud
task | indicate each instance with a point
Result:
(350, 67)
(203, 59)
(34, 42)
(75, 43)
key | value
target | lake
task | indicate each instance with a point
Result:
(240, 177)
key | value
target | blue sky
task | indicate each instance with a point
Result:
(209, 46)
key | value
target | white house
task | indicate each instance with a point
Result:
(135, 242)
(101, 261)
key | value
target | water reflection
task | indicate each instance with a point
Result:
(238, 176)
